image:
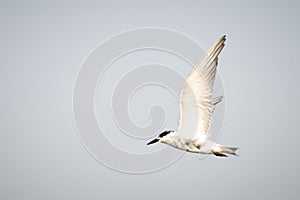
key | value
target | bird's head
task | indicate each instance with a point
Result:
(161, 137)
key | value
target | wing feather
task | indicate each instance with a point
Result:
(196, 103)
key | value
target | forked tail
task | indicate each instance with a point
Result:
(226, 150)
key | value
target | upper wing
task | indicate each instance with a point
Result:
(196, 103)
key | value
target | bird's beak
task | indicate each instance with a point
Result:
(153, 141)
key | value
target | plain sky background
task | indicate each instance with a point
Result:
(43, 45)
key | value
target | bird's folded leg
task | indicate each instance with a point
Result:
(219, 154)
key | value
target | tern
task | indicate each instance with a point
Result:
(196, 109)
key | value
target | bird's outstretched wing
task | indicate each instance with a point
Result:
(196, 103)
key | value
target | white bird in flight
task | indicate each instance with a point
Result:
(196, 108)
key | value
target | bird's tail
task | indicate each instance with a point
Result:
(229, 150)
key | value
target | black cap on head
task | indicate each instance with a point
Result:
(164, 133)
(160, 136)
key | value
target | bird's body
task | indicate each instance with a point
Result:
(185, 144)
(196, 145)
(196, 108)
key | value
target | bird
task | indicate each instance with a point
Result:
(196, 109)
